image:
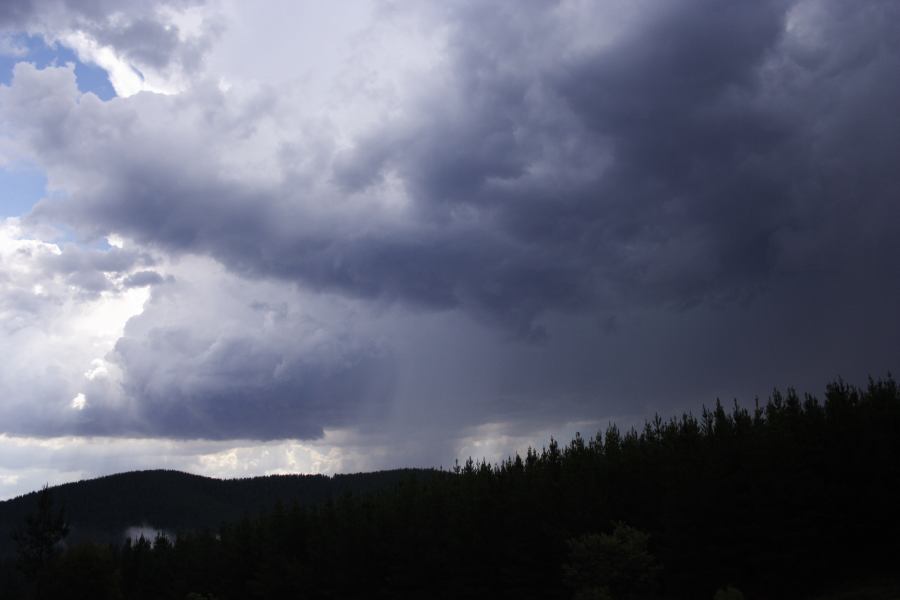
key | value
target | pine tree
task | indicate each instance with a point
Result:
(38, 541)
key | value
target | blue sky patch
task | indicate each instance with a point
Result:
(20, 189)
(90, 78)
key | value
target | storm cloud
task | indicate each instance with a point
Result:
(571, 211)
(690, 158)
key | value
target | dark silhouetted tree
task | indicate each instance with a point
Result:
(38, 540)
(616, 565)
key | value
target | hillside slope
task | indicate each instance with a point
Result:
(102, 509)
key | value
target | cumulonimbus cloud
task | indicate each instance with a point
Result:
(700, 157)
(690, 158)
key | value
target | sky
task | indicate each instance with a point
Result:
(240, 239)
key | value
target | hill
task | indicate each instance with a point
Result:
(102, 509)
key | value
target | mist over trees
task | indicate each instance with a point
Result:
(786, 499)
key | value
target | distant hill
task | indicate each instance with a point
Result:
(103, 509)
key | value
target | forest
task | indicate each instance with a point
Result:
(795, 497)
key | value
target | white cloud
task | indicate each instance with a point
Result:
(58, 330)
(99, 368)
(27, 463)
(126, 81)
(125, 76)
(79, 401)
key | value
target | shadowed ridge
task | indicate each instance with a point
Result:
(101, 509)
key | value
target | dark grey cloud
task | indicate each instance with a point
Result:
(215, 361)
(717, 180)
(674, 165)
(143, 279)
(238, 389)
(148, 41)
(715, 150)
(20, 13)
(94, 271)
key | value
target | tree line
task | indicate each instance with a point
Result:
(781, 500)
